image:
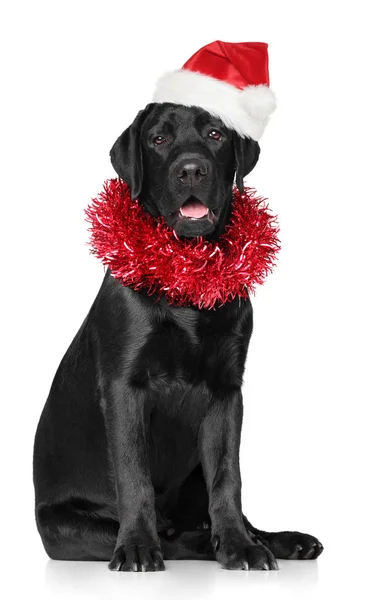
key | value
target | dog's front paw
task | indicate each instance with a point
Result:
(137, 558)
(294, 545)
(243, 555)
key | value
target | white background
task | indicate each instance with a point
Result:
(74, 75)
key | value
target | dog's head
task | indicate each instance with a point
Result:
(181, 162)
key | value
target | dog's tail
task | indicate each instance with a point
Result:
(191, 545)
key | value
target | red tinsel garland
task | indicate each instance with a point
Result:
(144, 253)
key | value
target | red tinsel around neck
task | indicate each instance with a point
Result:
(144, 253)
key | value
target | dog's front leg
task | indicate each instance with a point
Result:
(138, 546)
(219, 443)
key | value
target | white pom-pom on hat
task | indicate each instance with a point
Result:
(258, 101)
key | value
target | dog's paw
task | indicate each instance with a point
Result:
(243, 556)
(294, 545)
(137, 558)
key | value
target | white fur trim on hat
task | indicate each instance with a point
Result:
(246, 111)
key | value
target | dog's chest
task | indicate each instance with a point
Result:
(190, 350)
(185, 359)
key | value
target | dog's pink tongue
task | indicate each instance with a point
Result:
(194, 209)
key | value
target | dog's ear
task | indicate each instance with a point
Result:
(246, 152)
(126, 154)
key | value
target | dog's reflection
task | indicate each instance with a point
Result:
(189, 579)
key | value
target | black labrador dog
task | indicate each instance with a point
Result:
(136, 455)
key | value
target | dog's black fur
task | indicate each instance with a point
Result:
(136, 453)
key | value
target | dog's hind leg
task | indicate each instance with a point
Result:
(286, 544)
(71, 535)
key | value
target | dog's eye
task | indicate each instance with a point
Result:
(215, 134)
(159, 139)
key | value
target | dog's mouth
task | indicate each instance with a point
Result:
(193, 218)
(194, 210)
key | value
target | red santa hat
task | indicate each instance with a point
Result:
(230, 81)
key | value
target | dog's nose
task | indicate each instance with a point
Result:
(191, 172)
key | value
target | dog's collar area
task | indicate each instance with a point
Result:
(144, 253)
